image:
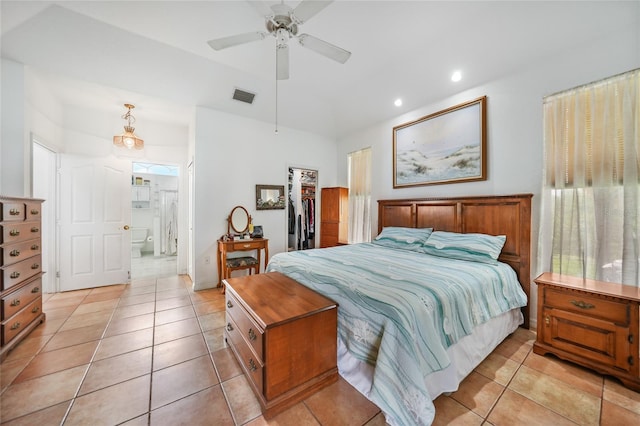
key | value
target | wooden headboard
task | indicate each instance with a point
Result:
(508, 215)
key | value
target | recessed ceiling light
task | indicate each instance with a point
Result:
(456, 76)
(398, 102)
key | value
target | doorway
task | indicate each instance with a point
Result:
(154, 219)
(301, 213)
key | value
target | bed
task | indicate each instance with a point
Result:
(412, 325)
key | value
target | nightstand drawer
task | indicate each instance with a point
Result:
(586, 304)
(14, 325)
(252, 334)
(13, 302)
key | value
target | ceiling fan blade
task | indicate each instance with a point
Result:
(224, 42)
(307, 9)
(282, 62)
(322, 47)
(261, 7)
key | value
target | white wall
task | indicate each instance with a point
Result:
(514, 121)
(232, 155)
(12, 138)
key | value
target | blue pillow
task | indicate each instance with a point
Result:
(473, 247)
(403, 238)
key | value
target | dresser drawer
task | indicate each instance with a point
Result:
(18, 272)
(12, 232)
(12, 253)
(253, 366)
(33, 211)
(14, 325)
(247, 245)
(12, 211)
(246, 327)
(13, 302)
(592, 305)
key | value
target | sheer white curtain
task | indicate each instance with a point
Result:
(590, 197)
(360, 196)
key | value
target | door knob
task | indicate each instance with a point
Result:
(126, 227)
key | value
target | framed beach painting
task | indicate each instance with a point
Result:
(449, 146)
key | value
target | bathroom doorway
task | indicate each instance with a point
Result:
(154, 220)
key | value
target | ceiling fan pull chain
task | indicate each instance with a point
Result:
(276, 91)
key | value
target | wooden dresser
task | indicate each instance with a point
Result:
(284, 336)
(592, 323)
(20, 270)
(334, 217)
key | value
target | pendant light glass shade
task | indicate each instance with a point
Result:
(128, 139)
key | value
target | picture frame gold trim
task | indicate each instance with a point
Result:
(270, 197)
(448, 146)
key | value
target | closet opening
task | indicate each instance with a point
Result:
(301, 211)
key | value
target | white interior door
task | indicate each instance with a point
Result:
(95, 214)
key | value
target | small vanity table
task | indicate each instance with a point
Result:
(240, 222)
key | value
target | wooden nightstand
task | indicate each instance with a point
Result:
(592, 323)
(284, 335)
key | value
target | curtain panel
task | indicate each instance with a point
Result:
(590, 196)
(360, 196)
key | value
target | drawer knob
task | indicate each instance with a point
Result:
(229, 327)
(14, 232)
(14, 253)
(252, 334)
(35, 229)
(15, 275)
(35, 247)
(229, 304)
(15, 302)
(14, 212)
(252, 365)
(35, 290)
(35, 266)
(15, 326)
(35, 211)
(247, 245)
(35, 309)
(582, 305)
(547, 320)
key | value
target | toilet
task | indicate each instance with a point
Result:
(138, 238)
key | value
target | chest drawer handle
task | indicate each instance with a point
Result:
(14, 253)
(229, 304)
(35, 229)
(35, 266)
(15, 302)
(15, 326)
(582, 305)
(229, 327)
(247, 245)
(35, 211)
(35, 247)
(14, 212)
(35, 290)
(35, 309)
(252, 365)
(15, 275)
(14, 232)
(252, 334)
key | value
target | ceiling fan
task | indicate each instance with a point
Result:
(282, 22)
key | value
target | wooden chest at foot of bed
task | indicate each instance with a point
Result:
(284, 335)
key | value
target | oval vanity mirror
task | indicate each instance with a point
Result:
(239, 219)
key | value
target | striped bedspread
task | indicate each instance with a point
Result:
(400, 310)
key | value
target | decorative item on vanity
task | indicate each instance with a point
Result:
(20, 270)
(240, 240)
(128, 139)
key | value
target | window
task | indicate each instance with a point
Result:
(590, 198)
(360, 196)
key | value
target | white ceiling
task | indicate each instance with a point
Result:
(101, 54)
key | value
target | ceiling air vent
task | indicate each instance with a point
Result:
(242, 96)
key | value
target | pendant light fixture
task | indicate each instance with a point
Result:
(128, 139)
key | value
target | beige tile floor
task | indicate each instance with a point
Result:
(152, 352)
